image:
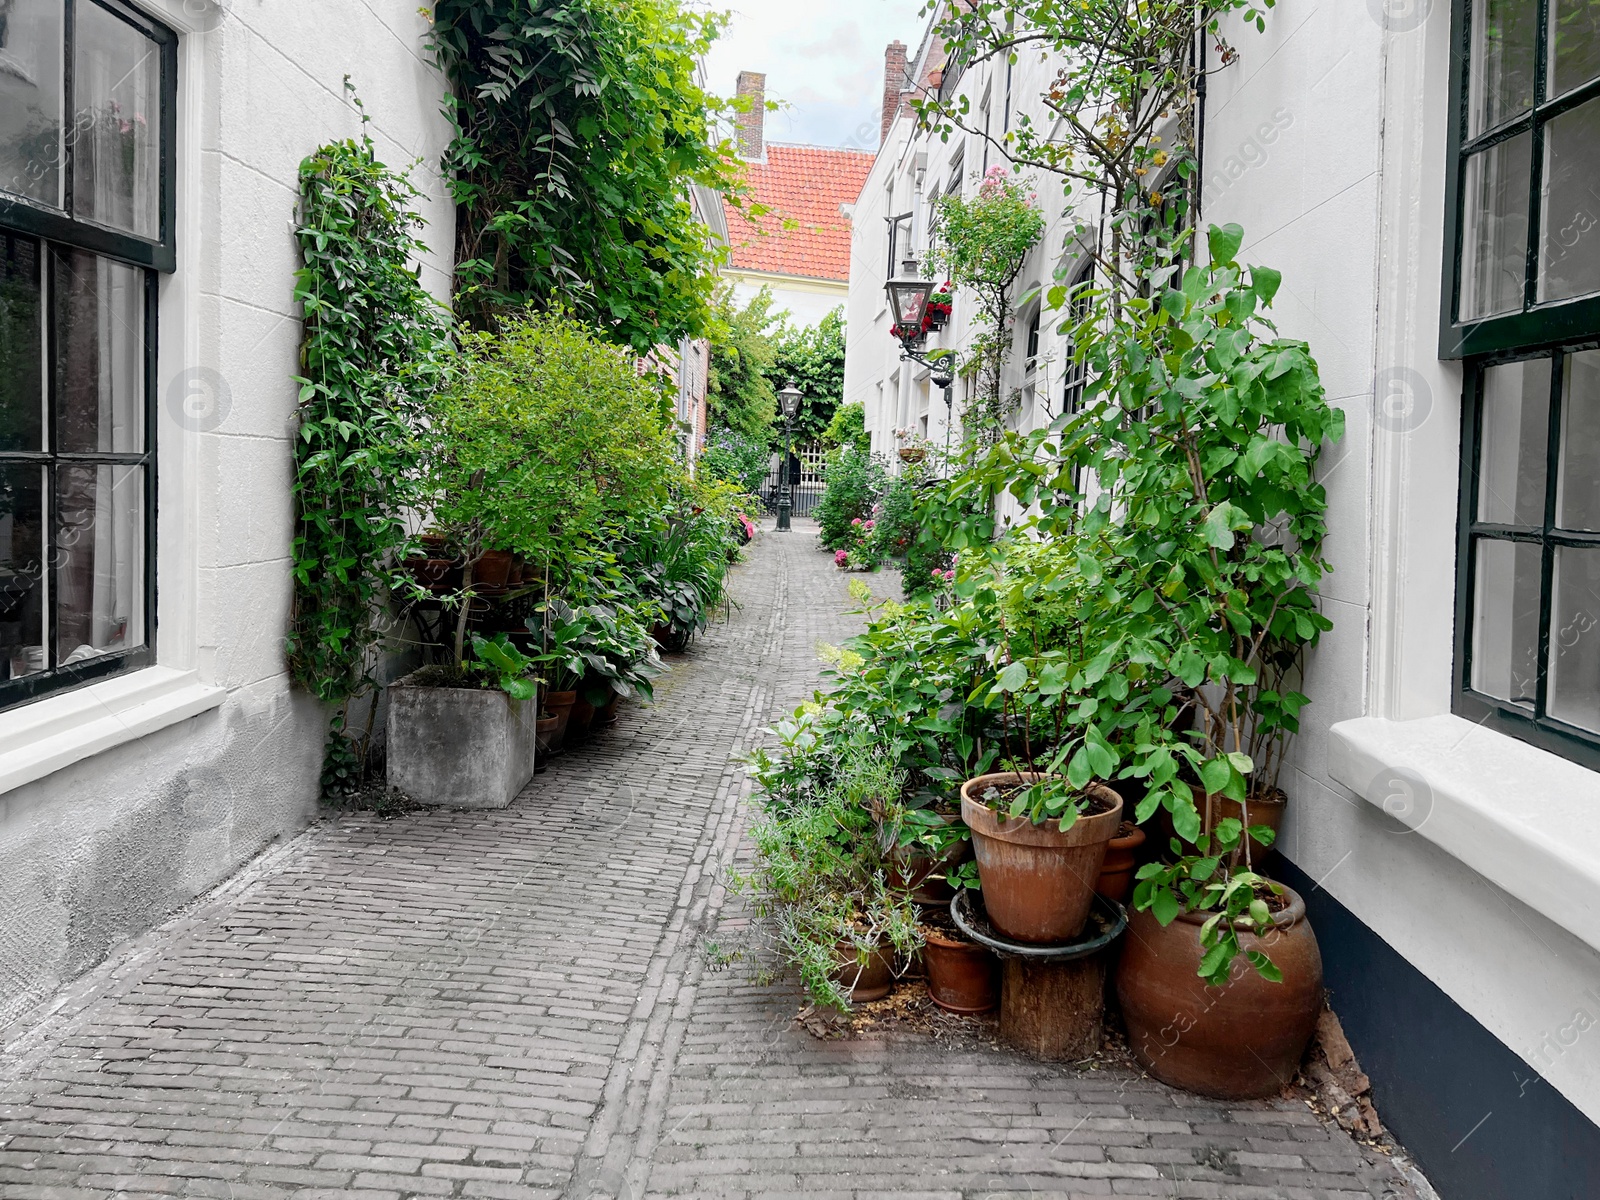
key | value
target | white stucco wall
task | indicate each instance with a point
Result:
(1328, 143)
(805, 301)
(101, 850)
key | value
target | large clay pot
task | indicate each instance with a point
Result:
(1116, 873)
(1241, 1041)
(559, 705)
(581, 718)
(871, 981)
(493, 569)
(1262, 810)
(963, 977)
(1037, 882)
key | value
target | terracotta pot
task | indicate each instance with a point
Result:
(559, 705)
(1241, 1041)
(549, 734)
(1263, 810)
(869, 982)
(963, 977)
(606, 714)
(493, 569)
(581, 718)
(1116, 873)
(1037, 882)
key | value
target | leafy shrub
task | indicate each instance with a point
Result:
(848, 428)
(732, 457)
(852, 484)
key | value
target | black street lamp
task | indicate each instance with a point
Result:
(945, 380)
(908, 301)
(790, 397)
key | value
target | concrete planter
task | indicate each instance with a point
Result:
(461, 747)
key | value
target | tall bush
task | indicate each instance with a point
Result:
(853, 482)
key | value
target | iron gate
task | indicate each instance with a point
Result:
(806, 467)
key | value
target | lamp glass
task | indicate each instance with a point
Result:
(908, 298)
(791, 397)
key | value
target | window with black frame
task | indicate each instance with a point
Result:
(86, 130)
(1076, 373)
(1523, 310)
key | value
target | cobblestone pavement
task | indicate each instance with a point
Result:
(517, 1004)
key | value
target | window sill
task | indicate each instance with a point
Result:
(53, 733)
(1519, 816)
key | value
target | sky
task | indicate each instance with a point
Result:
(823, 58)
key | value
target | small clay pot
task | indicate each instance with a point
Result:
(493, 569)
(581, 718)
(963, 977)
(606, 714)
(1241, 1041)
(1037, 882)
(549, 731)
(559, 705)
(870, 981)
(1122, 860)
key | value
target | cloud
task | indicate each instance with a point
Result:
(823, 57)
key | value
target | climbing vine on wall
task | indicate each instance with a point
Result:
(368, 355)
(580, 129)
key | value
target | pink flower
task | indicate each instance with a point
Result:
(938, 574)
(857, 521)
(868, 524)
(840, 557)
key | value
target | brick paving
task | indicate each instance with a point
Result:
(518, 1004)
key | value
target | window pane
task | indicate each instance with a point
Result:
(22, 574)
(1504, 34)
(1494, 244)
(1578, 495)
(21, 345)
(1505, 624)
(1514, 454)
(30, 99)
(1575, 639)
(99, 561)
(100, 358)
(1574, 44)
(116, 158)
(1569, 259)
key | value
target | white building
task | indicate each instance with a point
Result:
(1444, 819)
(150, 743)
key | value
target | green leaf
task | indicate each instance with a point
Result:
(1013, 679)
(1215, 774)
(1174, 304)
(1264, 281)
(1264, 966)
(1164, 907)
(1224, 242)
(1217, 528)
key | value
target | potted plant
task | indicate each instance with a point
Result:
(1039, 842)
(465, 736)
(963, 977)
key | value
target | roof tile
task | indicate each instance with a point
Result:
(806, 233)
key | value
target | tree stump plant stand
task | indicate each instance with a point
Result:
(1052, 998)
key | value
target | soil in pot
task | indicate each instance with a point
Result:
(1241, 1041)
(1122, 858)
(1038, 882)
(963, 977)
(872, 980)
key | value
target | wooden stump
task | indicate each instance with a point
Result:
(1052, 1010)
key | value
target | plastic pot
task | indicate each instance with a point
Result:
(1241, 1041)
(1037, 881)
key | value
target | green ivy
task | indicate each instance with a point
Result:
(580, 130)
(370, 336)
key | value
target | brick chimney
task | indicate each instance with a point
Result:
(752, 124)
(894, 83)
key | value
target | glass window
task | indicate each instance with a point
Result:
(1525, 225)
(31, 88)
(116, 84)
(1533, 554)
(77, 292)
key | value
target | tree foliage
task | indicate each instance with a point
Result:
(579, 129)
(813, 357)
(744, 352)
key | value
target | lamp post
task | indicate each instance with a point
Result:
(790, 397)
(947, 381)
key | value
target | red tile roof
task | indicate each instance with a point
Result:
(805, 233)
